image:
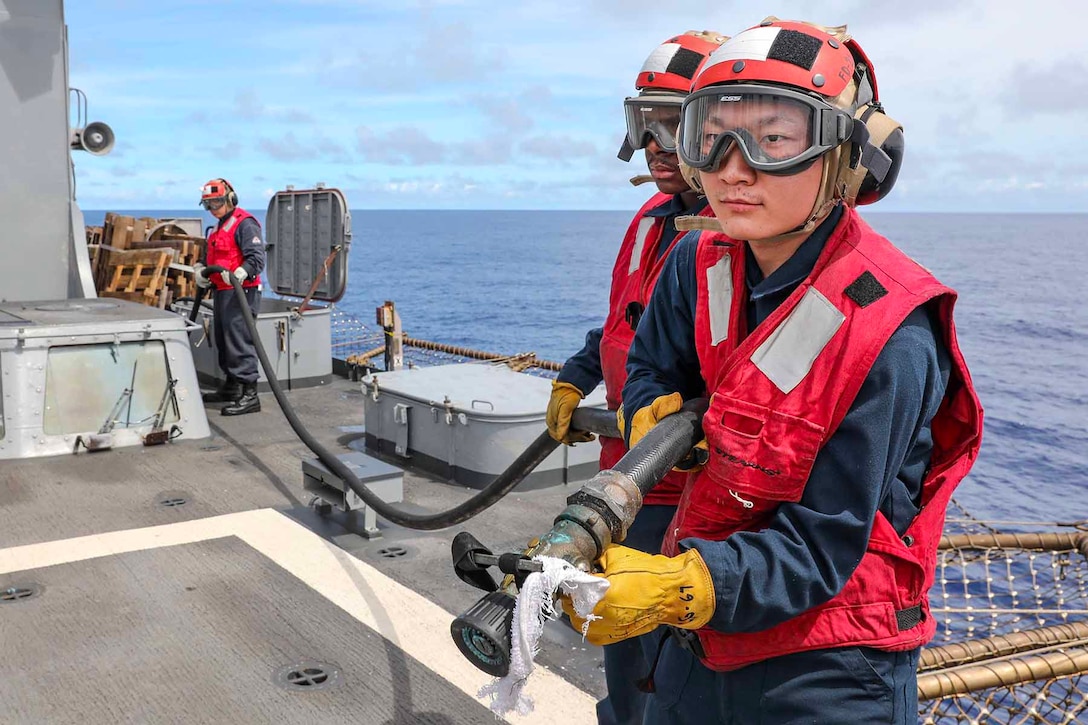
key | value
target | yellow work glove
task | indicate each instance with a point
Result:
(565, 398)
(647, 590)
(646, 418)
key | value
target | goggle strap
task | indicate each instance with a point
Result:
(873, 158)
(626, 150)
(876, 161)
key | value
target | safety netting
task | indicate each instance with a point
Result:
(1011, 602)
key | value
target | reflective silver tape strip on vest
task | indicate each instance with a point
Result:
(719, 284)
(645, 224)
(230, 224)
(787, 355)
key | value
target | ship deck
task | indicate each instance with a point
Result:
(143, 610)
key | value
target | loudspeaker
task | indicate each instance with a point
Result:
(96, 138)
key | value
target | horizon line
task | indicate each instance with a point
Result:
(401, 210)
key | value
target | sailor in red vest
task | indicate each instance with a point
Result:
(235, 245)
(794, 576)
(652, 118)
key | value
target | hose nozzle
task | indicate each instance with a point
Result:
(482, 633)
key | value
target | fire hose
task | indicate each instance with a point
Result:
(597, 515)
(594, 420)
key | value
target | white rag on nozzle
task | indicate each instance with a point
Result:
(536, 600)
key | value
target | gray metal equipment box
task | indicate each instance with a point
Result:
(298, 346)
(468, 422)
(380, 478)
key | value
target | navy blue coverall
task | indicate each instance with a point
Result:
(628, 661)
(874, 461)
(233, 343)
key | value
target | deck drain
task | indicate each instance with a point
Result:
(392, 552)
(173, 499)
(18, 592)
(307, 676)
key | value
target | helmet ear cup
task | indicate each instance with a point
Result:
(232, 197)
(871, 190)
(868, 171)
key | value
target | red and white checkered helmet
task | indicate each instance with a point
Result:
(662, 84)
(816, 80)
(218, 190)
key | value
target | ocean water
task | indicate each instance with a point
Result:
(537, 281)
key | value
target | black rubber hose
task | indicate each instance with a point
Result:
(667, 443)
(200, 292)
(593, 420)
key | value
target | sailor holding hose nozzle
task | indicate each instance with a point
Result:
(842, 415)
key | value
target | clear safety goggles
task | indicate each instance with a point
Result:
(213, 204)
(652, 117)
(778, 131)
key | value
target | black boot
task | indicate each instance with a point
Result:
(248, 403)
(227, 392)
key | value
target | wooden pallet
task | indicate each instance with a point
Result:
(114, 272)
(138, 275)
(119, 231)
(179, 282)
(100, 254)
(188, 249)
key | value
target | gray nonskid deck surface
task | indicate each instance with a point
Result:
(195, 634)
(254, 461)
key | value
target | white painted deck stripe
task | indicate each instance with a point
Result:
(416, 625)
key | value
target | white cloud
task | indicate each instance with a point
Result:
(558, 147)
(522, 100)
(289, 147)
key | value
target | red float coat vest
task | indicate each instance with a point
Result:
(224, 252)
(780, 393)
(633, 278)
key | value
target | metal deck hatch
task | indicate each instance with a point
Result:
(302, 229)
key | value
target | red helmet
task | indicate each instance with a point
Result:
(217, 192)
(675, 62)
(662, 84)
(789, 53)
(818, 86)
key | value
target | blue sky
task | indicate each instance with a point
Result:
(476, 104)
